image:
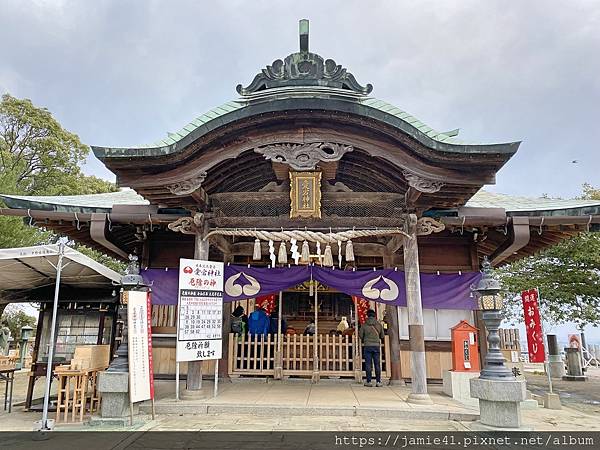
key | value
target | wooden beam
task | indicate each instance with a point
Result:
(394, 244)
(411, 196)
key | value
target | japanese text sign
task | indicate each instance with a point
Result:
(200, 310)
(139, 340)
(533, 326)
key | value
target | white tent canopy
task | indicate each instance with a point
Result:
(33, 267)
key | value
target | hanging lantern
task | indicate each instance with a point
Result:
(257, 256)
(282, 257)
(349, 251)
(328, 257)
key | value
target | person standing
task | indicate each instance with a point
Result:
(239, 321)
(371, 334)
(259, 322)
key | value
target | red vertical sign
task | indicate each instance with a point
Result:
(533, 326)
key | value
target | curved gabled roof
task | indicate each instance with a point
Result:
(309, 98)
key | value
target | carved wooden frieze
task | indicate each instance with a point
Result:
(305, 194)
(428, 225)
(422, 184)
(188, 186)
(188, 225)
(304, 156)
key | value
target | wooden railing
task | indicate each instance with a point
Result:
(258, 355)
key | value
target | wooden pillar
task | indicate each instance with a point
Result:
(278, 359)
(194, 373)
(357, 357)
(316, 375)
(227, 310)
(391, 313)
(415, 315)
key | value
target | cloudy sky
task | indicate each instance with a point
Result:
(122, 73)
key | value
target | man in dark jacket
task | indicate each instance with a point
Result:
(371, 335)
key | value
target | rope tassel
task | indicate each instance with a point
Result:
(328, 257)
(349, 251)
(305, 256)
(282, 257)
(257, 255)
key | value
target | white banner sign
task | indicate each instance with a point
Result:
(200, 310)
(139, 333)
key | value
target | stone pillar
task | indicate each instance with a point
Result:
(574, 365)
(556, 365)
(193, 385)
(415, 315)
(499, 402)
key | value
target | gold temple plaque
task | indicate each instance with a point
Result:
(305, 194)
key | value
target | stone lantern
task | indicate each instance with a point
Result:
(500, 394)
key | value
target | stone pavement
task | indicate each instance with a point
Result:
(328, 406)
(300, 397)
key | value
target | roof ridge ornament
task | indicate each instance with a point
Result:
(304, 69)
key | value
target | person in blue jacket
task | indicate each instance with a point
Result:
(259, 322)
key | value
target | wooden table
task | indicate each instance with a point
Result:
(8, 376)
(82, 382)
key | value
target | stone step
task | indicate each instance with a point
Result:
(408, 413)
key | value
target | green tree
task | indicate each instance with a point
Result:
(39, 157)
(567, 275)
(16, 318)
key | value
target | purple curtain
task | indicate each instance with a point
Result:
(448, 291)
(243, 282)
(165, 285)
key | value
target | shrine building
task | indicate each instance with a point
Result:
(305, 169)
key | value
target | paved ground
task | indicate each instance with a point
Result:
(573, 416)
(583, 396)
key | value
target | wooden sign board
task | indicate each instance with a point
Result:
(139, 338)
(305, 194)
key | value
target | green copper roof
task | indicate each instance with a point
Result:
(305, 98)
(482, 199)
(79, 203)
(485, 199)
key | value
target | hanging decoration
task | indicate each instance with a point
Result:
(305, 256)
(282, 257)
(349, 251)
(257, 255)
(319, 251)
(272, 253)
(339, 254)
(294, 250)
(328, 257)
(362, 306)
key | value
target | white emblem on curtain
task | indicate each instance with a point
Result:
(234, 289)
(387, 295)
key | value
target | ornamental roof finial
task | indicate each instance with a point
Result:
(304, 68)
(303, 30)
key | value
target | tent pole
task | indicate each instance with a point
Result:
(61, 252)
